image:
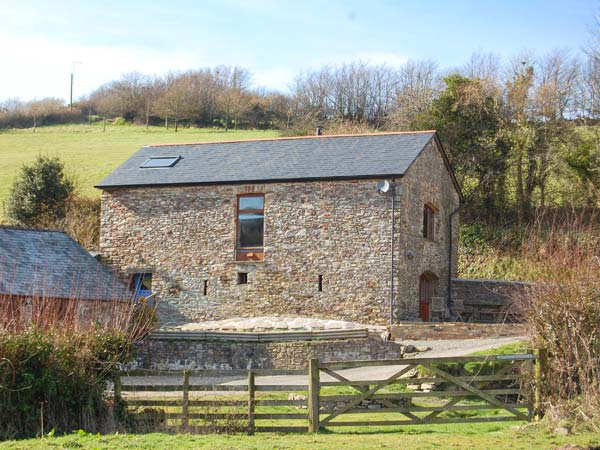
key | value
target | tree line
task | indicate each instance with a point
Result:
(517, 132)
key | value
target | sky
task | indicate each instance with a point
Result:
(274, 39)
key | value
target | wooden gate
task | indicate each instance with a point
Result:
(424, 391)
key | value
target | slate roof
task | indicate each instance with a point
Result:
(51, 264)
(270, 160)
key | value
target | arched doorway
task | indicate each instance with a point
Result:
(427, 286)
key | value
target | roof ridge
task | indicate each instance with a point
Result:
(285, 138)
(23, 228)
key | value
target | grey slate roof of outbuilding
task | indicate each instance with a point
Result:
(269, 160)
(50, 264)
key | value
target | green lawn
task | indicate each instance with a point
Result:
(89, 153)
(478, 436)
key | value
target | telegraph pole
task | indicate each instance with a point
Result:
(72, 76)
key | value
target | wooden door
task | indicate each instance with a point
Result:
(425, 293)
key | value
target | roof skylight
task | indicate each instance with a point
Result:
(160, 161)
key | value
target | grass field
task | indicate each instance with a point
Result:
(89, 153)
(479, 436)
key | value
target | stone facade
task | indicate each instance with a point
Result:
(337, 229)
(163, 354)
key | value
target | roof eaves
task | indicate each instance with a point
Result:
(258, 181)
(24, 228)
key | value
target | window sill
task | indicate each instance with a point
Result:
(247, 262)
(250, 254)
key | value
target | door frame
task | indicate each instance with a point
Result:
(426, 292)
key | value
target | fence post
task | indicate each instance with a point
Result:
(251, 394)
(314, 386)
(185, 403)
(117, 389)
(541, 367)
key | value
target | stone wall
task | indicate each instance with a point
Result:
(162, 354)
(337, 229)
(456, 330)
(487, 300)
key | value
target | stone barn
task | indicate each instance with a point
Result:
(296, 226)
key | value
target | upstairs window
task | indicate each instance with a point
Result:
(250, 227)
(160, 161)
(428, 222)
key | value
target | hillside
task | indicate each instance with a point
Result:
(89, 153)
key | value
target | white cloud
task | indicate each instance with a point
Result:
(278, 78)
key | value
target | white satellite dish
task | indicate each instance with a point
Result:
(383, 186)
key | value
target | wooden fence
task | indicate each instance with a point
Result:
(210, 407)
(457, 390)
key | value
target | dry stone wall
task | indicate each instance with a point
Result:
(340, 230)
(456, 330)
(168, 354)
(488, 300)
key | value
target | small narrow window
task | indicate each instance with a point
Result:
(205, 289)
(242, 278)
(320, 283)
(428, 222)
(250, 227)
(160, 161)
(141, 285)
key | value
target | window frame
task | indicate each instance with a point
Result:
(136, 284)
(166, 166)
(429, 217)
(248, 253)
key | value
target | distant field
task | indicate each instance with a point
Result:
(89, 153)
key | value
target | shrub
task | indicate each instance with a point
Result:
(81, 221)
(54, 363)
(40, 192)
(563, 313)
(58, 377)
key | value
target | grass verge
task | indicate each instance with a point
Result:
(478, 436)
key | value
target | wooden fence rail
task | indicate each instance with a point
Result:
(224, 404)
(461, 390)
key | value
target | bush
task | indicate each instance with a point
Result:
(81, 221)
(56, 358)
(40, 192)
(563, 313)
(57, 377)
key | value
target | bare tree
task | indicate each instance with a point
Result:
(232, 99)
(418, 84)
(175, 100)
(485, 66)
(556, 83)
(39, 109)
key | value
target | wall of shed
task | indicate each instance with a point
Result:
(337, 229)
